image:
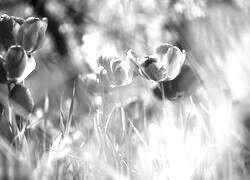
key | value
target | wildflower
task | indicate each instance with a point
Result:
(21, 99)
(6, 31)
(165, 65)
(115, 72)
(122, 72)
(15, 63)
(31, 34)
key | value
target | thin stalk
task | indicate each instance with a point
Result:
(163, 99)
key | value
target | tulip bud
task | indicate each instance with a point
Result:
(6, 31)
(21, 99)
(15, 63)
(31, 34)
(3, 74)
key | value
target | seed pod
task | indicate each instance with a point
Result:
(15, 63)
(3, 74)
(31, 34)
(6, 31)
(21, 99)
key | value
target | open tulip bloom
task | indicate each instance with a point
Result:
(115, 72)
(165, 65)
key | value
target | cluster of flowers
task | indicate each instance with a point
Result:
(164, 65)
(19, 38)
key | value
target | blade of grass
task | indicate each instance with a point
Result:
(199, 117)
(138, 134)
(70, 116)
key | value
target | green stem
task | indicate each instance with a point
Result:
(163, 99)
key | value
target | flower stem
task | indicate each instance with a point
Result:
(163, 99)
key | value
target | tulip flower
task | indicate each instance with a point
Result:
(31, 34)
(115, 72)
(122, 72)
(15, 63)
(165, 65)
(21, 99)
(6, 31)
(172, 59)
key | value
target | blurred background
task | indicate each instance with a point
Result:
(203, 135)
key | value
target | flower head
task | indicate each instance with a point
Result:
(164, 65)
(31, 34)
(115, 72)
(172, 59)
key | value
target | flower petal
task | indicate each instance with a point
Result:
(30, 66)
(132, 59)
(175, 59)
(162, 50)
(152, 72)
